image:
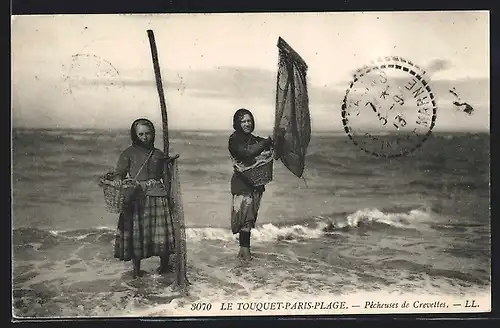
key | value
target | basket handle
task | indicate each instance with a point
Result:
(140, 169)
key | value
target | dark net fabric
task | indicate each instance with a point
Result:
(292, 128)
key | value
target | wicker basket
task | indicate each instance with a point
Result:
(117, 193)
(260, 174)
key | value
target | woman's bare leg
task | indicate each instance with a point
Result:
(137, 268)
(164, 259)
(245, 244)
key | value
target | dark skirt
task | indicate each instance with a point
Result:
(244, 210)
(145, 229)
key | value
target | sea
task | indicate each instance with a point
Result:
(355, 224)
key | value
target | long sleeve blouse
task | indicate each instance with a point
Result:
(132, 158)
(244, 148)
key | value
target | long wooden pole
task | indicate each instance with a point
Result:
(170, 174)
(161, 93)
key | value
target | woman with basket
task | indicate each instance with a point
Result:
(252, 162)
(145, 226)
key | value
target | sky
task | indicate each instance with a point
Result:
(95, 71)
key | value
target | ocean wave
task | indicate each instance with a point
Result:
(45, 239)
(268, 232)
(398, 220)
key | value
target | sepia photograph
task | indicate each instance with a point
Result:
(250, 164)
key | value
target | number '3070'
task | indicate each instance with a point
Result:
(201, 306)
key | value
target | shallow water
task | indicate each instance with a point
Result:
(415, 224)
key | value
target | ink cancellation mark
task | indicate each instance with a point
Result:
(89, 73)
(389, 109)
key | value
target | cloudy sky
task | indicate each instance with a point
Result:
(95, 71)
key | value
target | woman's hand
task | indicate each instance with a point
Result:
(269, 142)
(112, 176)
(172, 158)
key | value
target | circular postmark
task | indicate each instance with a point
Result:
(389, 109)
(89, 74)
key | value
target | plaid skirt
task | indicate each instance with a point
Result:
(244, 210)
(145, 229)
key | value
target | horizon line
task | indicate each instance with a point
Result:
(450, 130)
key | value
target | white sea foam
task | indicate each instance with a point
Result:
(269, 232)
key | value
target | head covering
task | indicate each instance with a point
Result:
(133, 135)
(238, 116)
